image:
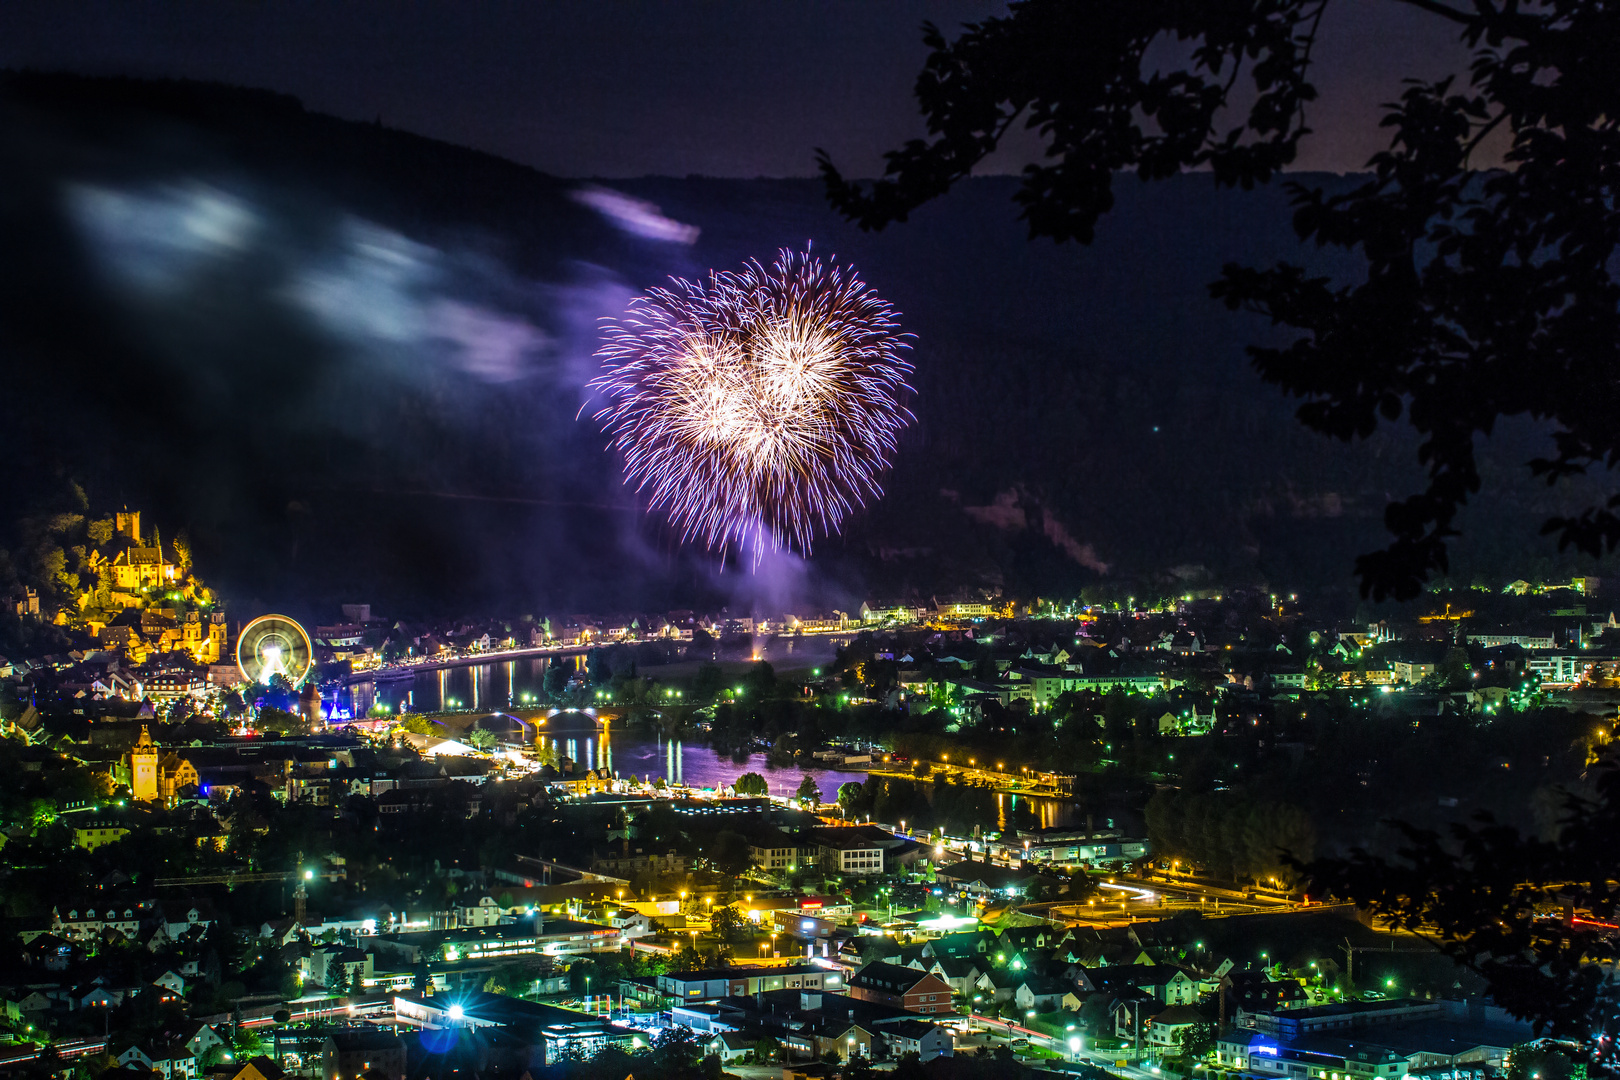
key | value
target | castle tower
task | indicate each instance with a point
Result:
(309, 706)
(128, 523)
(143, 768)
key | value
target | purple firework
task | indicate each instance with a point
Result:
(758, 409)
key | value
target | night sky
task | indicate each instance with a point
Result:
(612, 89)
(361, 358)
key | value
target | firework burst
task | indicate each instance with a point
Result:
(760, 408)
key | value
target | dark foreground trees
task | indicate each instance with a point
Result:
(1536, 918)
(1482, 296)
(1229, 834)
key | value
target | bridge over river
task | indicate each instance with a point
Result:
(391, 672)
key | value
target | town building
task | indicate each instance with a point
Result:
(713, 983)
(904, 987)
(368, 1053)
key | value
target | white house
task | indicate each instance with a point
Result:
(172, 1060)
(199, 1038)
(729, 1046)
(927, 1041)
(484, 912)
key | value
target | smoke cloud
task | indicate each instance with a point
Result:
(399, 303)
(158, 239)
(636, 216)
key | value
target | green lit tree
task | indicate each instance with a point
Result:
(726, 921)
(751, 783)
(1196, 1040)
(418, 725)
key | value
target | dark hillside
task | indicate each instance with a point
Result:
(349, 362)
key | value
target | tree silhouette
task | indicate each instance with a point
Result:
(1484, 294)
(728, 851)
(851, 796)
(725, 922)
(1529, 915)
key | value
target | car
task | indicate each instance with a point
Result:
(1017, 1043)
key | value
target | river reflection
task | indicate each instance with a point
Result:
(503, 684)
(631, 753)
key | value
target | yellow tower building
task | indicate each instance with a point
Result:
(218, 648)
(143, 768)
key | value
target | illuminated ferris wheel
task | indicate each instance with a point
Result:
(273, 645)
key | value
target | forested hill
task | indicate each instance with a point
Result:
(349, 362)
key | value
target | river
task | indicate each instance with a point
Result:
(629, 752)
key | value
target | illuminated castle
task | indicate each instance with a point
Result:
(140, 572)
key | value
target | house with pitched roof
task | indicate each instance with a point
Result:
(928, 1041)
(1165, 984)
(907, 988)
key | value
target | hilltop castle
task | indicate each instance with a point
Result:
(144, 599)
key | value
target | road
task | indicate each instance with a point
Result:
(71, 1048)
(996, 1032)
(494, 656)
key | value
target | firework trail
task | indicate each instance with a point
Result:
(757, 410)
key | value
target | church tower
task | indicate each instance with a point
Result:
(218, 650)
(143, 768)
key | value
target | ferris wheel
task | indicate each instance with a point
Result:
(273, 645)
